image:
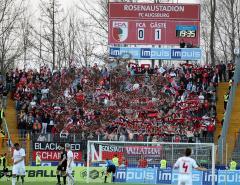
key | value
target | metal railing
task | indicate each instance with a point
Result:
(74, 138)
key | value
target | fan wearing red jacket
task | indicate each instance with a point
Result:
(142, 163)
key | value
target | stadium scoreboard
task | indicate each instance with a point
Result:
(153, 24)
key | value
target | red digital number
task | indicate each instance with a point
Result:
(185, 167)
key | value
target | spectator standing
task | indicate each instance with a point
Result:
(122, 137)
(9, 80)
(4, 97)
(45, 121)
(233, 165)
(38, 159)
(37, 127)
(224, 68)
(142, 162)
(226, 96)
(22, 127)
(182, 44)
(211, 129)
(230, 70)
(220, 71)
(163, 164)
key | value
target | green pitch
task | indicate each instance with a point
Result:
(46, 183)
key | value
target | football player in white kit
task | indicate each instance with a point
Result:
(18, 163)
(186, 165)
(70, 178)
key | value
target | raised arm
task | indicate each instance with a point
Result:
(201, 168)
(196, 167)
(176, 165)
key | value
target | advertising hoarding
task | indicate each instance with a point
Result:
(103, 152)
(53, 146)
(55, 155)
(156, 53)
(48, 174)
(51, 151)
(127, 175)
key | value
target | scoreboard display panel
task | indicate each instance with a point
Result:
(153, 32)
(153, 23)
(186, 31)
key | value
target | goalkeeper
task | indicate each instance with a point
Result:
(111, 168)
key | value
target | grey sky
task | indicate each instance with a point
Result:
(67, 4)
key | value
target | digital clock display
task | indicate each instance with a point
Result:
(186, 33)
(183, 31)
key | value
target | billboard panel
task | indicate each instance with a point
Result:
(50, 155)
(154, 11)
(51, 151)
(54, 146)
(47, 174)
(103, 152)
(146, 32)
(156, 53)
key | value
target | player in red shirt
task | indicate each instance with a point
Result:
(142, 163)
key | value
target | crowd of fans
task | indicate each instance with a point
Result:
(124, 103)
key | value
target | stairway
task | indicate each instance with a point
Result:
(236, 151)
(11, 119)
(221, 90)
(234, 126)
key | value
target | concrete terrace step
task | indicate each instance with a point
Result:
(221, 90)
(234, 125)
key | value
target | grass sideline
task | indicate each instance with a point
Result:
(54, 183)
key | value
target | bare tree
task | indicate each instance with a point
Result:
(85, 45)
(25, 30)
(212, 33)
(228, 16)
(50, 20)
(11, 14)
